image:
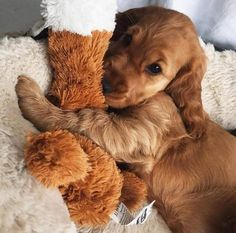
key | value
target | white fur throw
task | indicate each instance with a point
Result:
(26, 206)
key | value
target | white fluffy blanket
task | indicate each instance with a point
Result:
(26, 206)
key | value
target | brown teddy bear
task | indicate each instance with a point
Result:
(90, 182)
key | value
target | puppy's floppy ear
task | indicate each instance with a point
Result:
(185, 90)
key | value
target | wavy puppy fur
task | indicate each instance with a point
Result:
(187, 160)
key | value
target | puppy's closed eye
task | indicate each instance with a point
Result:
(153, 69)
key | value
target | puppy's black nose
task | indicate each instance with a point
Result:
(106, 85)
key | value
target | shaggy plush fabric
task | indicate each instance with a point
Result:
(86, 68)
(26, 206)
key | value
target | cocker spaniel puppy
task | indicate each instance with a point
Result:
(152, 82)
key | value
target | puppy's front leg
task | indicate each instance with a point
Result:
(118, 135)
(38, 110)
(126, 138)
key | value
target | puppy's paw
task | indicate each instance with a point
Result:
(30, 98)
(27, 87)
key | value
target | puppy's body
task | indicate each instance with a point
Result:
(193, 182)
(186, 159)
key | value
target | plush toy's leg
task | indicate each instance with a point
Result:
(55, 158)
(91, 202)
(134, 191)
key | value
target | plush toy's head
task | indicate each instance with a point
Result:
(77, 63)
(78, 40)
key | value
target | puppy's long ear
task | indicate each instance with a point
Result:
(185, 90)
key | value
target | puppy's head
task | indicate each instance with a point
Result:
(154, 49)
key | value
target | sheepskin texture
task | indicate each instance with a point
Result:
(219, 86)
(26, 206)
(79, 16)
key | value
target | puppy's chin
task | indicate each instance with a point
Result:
(121, 102)
(118, 103)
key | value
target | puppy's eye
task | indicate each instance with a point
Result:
(153, 69)
(126, 39)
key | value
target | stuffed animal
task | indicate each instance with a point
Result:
(90, 182)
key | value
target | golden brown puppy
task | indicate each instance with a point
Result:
(187, 160)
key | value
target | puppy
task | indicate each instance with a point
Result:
(153, 72)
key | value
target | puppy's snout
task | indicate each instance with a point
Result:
(106, 86)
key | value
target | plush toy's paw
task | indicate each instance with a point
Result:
(56, 158)
(134, 191)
